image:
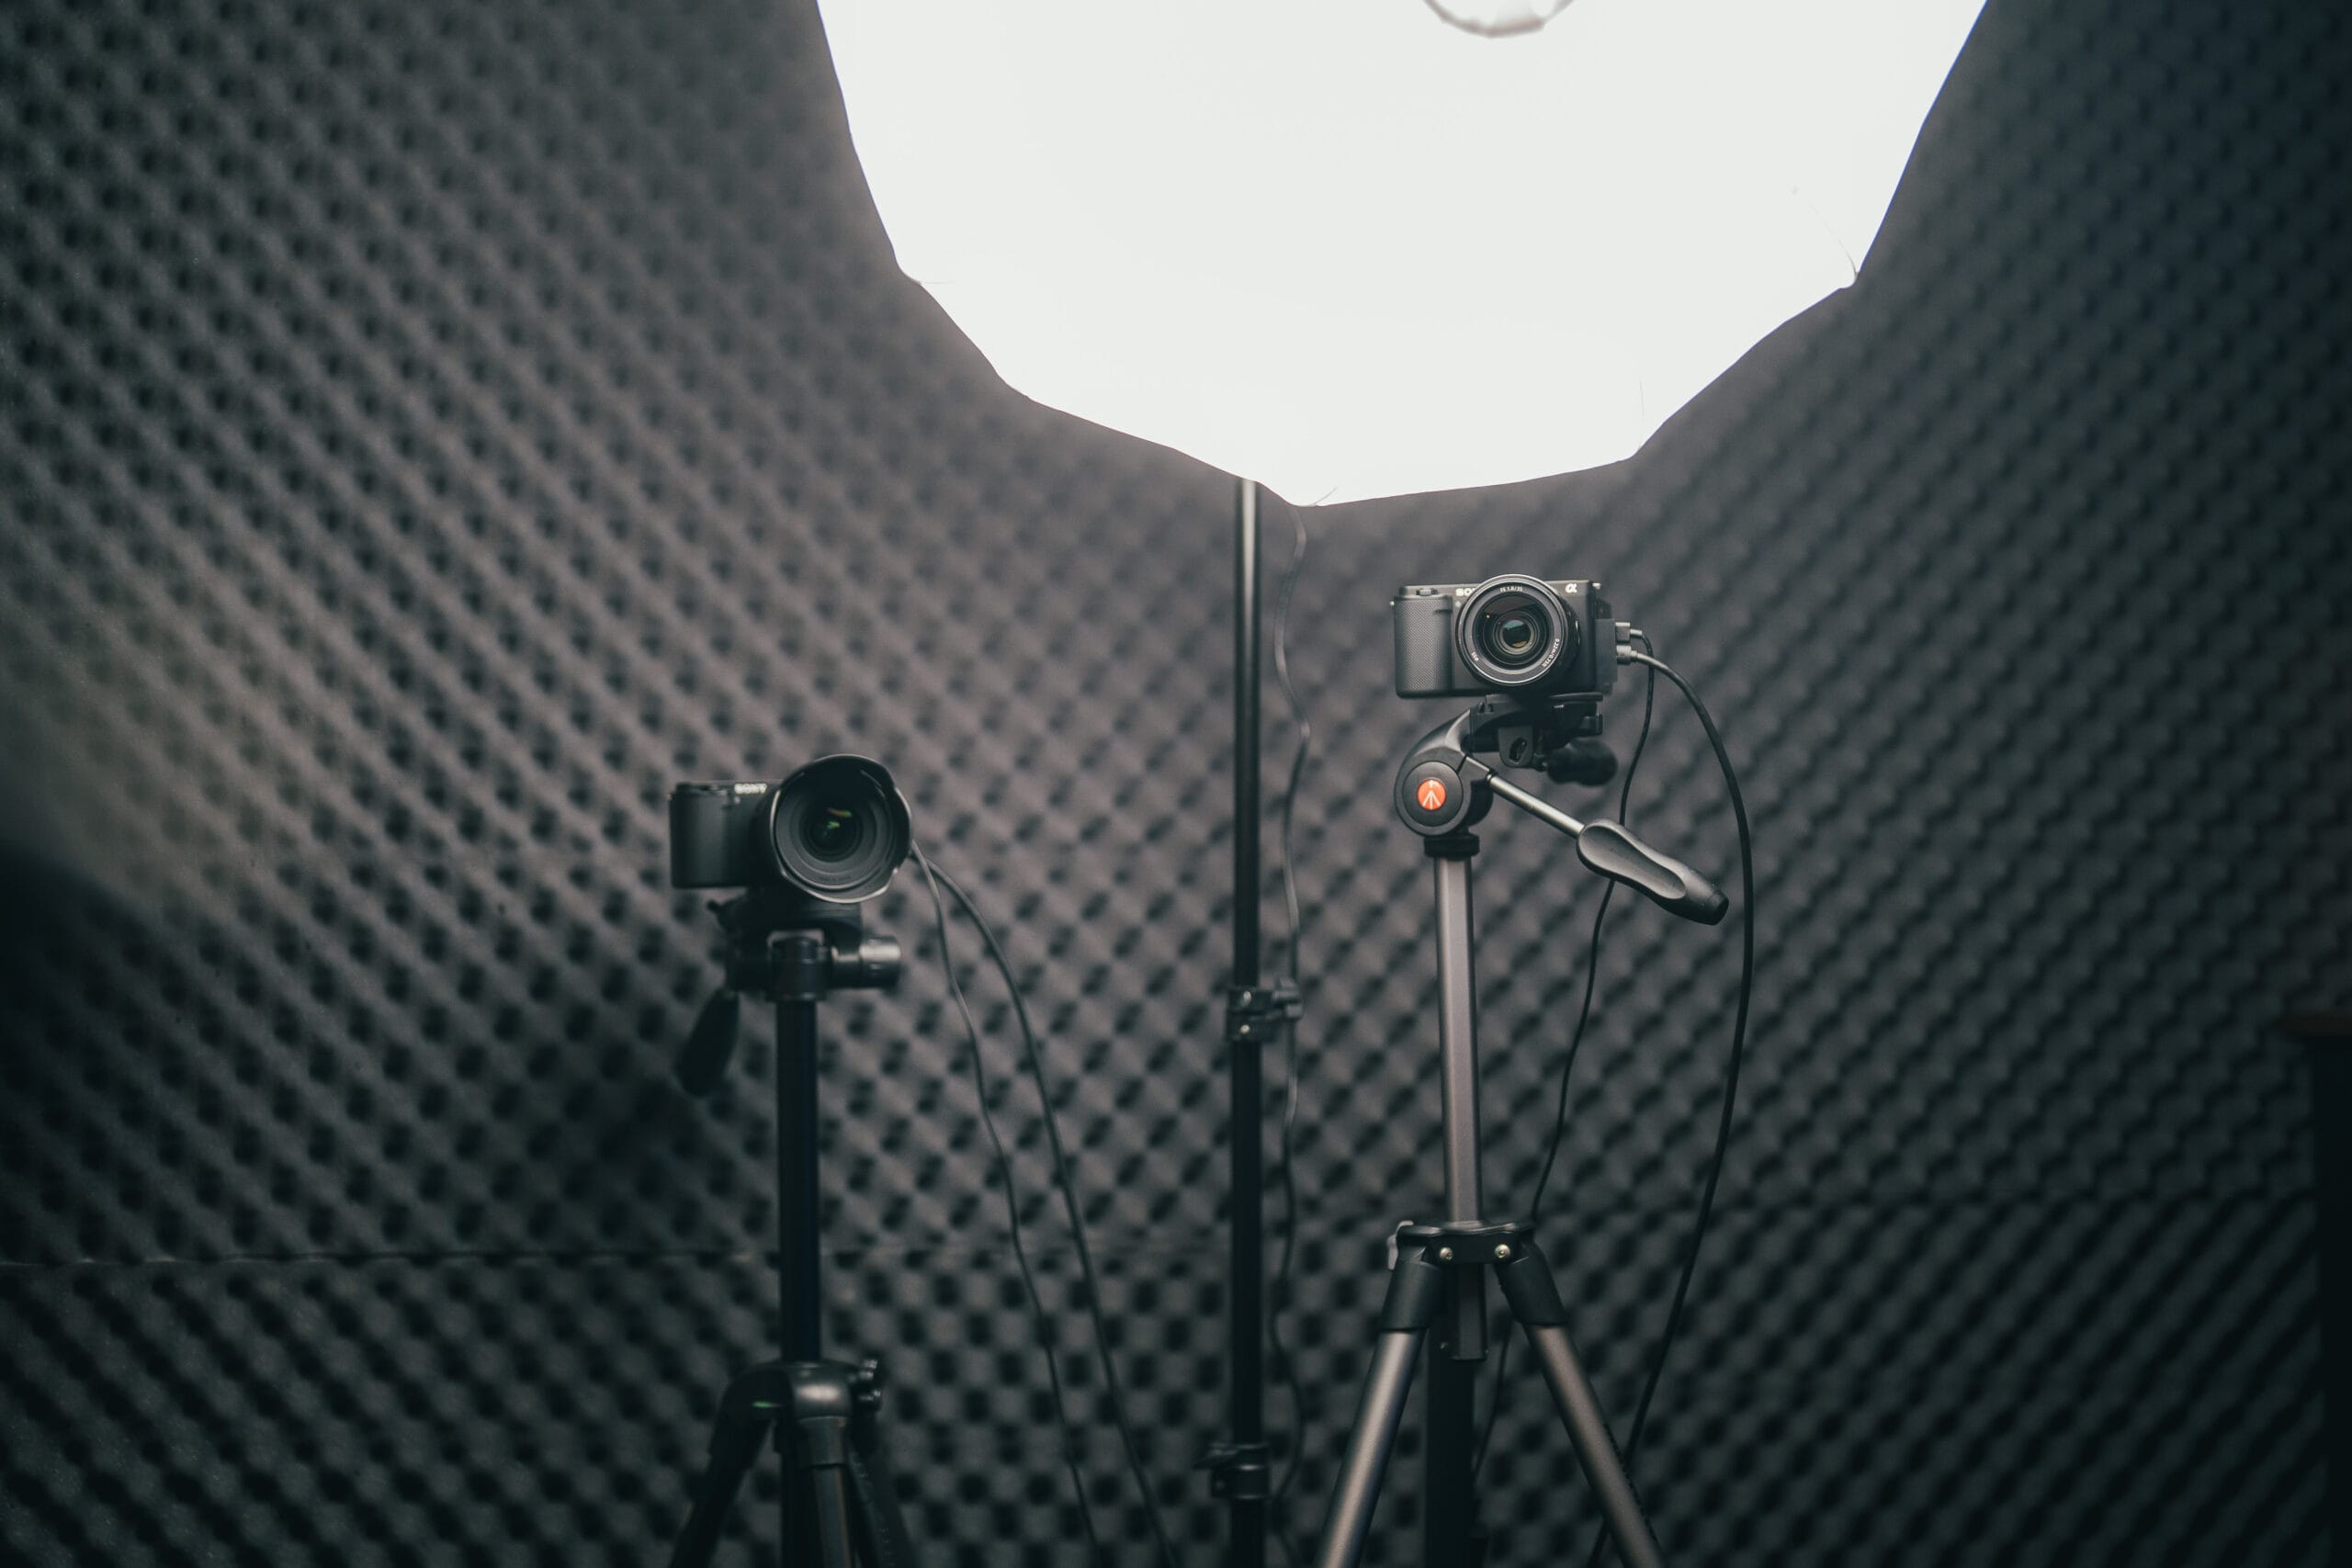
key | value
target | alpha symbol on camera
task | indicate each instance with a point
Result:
(1432, 795)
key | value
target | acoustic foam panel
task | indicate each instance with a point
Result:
(436, 429)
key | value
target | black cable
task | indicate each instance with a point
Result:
(1012, 1212)
(1036, 1061)
(1592, 962)
(1280, 1296)
(1568, 1062)
(1731, 1072)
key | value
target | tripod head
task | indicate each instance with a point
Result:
(1443, 788)
(780, 945)
(1560, 735)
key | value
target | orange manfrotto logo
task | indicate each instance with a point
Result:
(1432, 795)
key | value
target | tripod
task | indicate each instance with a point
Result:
(1439, 1275)
(840, 1505)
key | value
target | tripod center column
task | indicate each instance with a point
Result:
(800, 1189)
(1457, 1023)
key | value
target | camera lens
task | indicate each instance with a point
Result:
(839, 829)
(1512, 631)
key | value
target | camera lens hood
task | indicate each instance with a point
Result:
(1529, 596)
(839, 829)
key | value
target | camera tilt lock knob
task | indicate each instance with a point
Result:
(1433, 797)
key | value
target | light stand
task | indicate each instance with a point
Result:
(1255, 1011)
(1438, 1278)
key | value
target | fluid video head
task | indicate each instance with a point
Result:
(836, 830)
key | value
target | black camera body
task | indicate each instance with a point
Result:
(836, 830)
(1513, 635)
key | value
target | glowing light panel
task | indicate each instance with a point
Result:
(1348, 249)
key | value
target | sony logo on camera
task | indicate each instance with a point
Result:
(1513, 634)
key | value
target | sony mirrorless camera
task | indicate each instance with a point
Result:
(836, 830)
(1513, 635)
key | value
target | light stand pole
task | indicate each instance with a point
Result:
(1245, 1480)
(1254, 1011)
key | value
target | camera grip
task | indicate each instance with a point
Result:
(1609, 850)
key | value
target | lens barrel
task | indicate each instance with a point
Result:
(839, 829)
(1512, 631)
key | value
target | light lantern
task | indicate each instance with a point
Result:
(1358, 248)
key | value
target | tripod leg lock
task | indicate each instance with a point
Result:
(824, 1402)
(1239, 1472)
(1417, 1284)
(1528, 1286)
(1507, 1248)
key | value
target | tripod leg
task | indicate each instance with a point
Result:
(828, 1502)
(1415, 1288)
(882, 1533)
(882, 1536)
(734, 1445)
(824, 1405)
(1536, 1301)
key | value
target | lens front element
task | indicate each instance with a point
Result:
(831, 830)
(1512, 633)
